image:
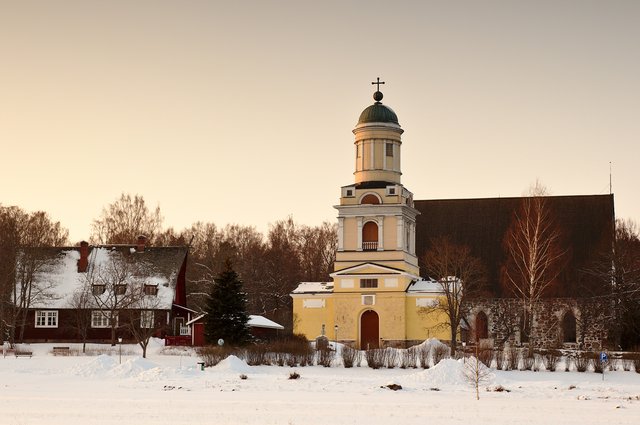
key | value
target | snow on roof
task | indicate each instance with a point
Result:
(313, 288)
(263, 322)
(425, 286)
(195, 319)
(60, 279)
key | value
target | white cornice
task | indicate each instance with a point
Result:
(379, 209)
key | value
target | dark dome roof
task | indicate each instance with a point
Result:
(378, 113)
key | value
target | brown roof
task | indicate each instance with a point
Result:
(585, 221)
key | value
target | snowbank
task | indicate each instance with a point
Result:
(232, 364)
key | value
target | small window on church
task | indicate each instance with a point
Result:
(368, 283)
(349, 192)
(358, 151)
(389, 149)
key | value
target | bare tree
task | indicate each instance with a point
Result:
(461, 277)
(616, 271)
(534, 253)
(144, 320)
(25, 237)
(81, 303)
(115, 288)
(317, 246)
(122, 221)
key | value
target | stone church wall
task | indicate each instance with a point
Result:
(504, 316)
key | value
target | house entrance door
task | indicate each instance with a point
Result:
(369, 330)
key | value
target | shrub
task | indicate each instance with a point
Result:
(598, 366)
(635, 359)
(528, 359)
(325, 357)
(212, 355)
(440, 351)
(485, 355)
(350, 356)
(511, 361)
(375, 357)
(243, 376)
(500, 360)
(581, 361)
(409, 358)
(390, 357)
(256, 355)
(550, 359)
(424, 354)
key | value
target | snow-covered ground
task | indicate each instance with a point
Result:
(167, 388)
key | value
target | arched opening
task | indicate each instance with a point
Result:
(482, 326)
(569, 327)
(524, 328)
(370, 236)
(370, 198)
(369, 330)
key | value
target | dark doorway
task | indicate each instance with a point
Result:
(569, 327)
(369, 330)
(482, 326)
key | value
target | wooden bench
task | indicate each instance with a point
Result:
(24, 354)
(61, 351)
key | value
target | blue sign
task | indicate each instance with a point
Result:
(603, 357)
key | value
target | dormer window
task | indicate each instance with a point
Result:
(120, 289)
(150, 289)
(98, 289)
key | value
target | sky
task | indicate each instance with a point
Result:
(242, 112)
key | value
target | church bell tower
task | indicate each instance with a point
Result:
(376, 217)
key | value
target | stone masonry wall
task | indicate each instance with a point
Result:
(504, 317)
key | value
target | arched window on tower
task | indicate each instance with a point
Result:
(370, 236)
(370, 198)
(569, 327)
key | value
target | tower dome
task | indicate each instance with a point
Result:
(378, 112)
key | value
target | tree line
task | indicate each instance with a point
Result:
(270, 265)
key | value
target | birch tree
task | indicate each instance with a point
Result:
(534, 253)
(122, 221)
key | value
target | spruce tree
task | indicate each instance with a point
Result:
(227, 316)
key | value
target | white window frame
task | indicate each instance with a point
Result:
(46, 319)
(369, 299)
(101, 319)
(147, 319)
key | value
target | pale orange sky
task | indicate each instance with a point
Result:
(241, 112)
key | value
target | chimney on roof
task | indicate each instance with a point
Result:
(83, 262)
(142, 242)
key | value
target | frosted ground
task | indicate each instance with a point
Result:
(171, 389)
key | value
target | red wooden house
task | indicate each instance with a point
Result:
(81, 293)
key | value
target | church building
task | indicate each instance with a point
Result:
(377, 297)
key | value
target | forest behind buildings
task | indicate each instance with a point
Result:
(272, 264)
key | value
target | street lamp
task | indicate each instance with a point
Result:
(464, 353)
(120, 342)
(335, 328)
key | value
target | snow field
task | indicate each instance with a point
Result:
(169, 389)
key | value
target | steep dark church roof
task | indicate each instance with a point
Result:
(587, 224)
